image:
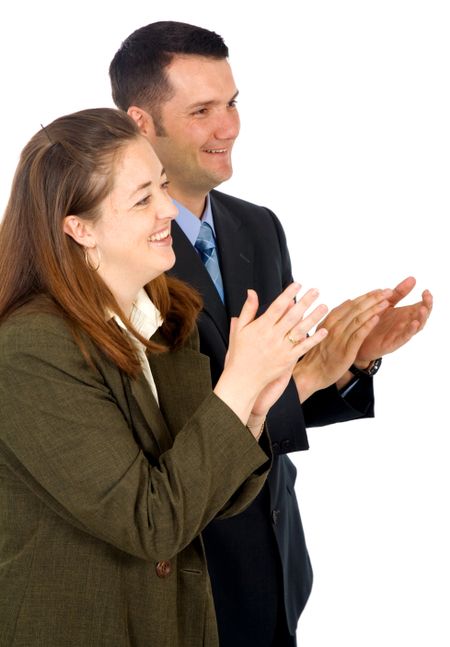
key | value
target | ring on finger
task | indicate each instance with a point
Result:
(293, 340)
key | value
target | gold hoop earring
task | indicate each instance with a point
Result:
(88, 260)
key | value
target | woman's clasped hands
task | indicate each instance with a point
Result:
(264, 350)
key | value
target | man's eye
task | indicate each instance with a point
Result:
(165, 185)
(201, 111)
(233, 103)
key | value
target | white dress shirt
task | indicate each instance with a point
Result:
(146, 318)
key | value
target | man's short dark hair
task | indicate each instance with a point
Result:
(137, 71)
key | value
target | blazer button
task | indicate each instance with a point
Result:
(163, 568)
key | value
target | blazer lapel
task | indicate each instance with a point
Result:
(185, 372)
(147, 417)
(190, 268)
(235, 254)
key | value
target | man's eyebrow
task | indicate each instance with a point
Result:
(209, 103)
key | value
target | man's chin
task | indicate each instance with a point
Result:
(217, 178)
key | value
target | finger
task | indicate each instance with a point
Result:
(249, 310)
(233, 325)
(300, 329)
(421, 318)
(404, 336)
(359, 335)
(402, 290)
(423, 308)
(307, 299)
(344, 314)
(303, 346)
(370, 298)
(292, 317)
(413, 328)
(427, 299)
(362, 314)
(282, 304)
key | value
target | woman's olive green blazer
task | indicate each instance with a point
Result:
(103, 494)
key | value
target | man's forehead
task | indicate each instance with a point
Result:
(189, 61)
(192, 73)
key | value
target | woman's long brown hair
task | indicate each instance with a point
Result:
(66, 169)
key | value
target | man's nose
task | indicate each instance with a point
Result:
(228, 125)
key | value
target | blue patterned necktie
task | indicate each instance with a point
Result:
(206, 246)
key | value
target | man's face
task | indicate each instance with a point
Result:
(200, 124)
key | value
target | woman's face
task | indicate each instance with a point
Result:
(132, 234)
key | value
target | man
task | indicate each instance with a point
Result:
(176, 83)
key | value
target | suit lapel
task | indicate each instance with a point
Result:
(235, 254)
(190, 268)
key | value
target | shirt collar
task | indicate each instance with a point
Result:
(190, 224)
(145, 316)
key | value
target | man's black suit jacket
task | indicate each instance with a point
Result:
(258, 561)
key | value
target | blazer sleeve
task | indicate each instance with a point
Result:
(63, 434)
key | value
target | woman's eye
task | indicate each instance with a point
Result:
(143, 202)
(165, 185)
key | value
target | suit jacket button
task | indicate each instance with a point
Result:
(275, 515)
(163, 568)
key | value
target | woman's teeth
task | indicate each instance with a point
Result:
(159, 236)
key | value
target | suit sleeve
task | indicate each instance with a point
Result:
(286, 422)
(328, 406)
(323, 407)
(64, 435)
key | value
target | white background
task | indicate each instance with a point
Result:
(345, 110)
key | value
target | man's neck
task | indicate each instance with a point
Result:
(194, 202)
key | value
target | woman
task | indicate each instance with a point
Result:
(115, 453)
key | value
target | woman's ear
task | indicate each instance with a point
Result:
(79, 230)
